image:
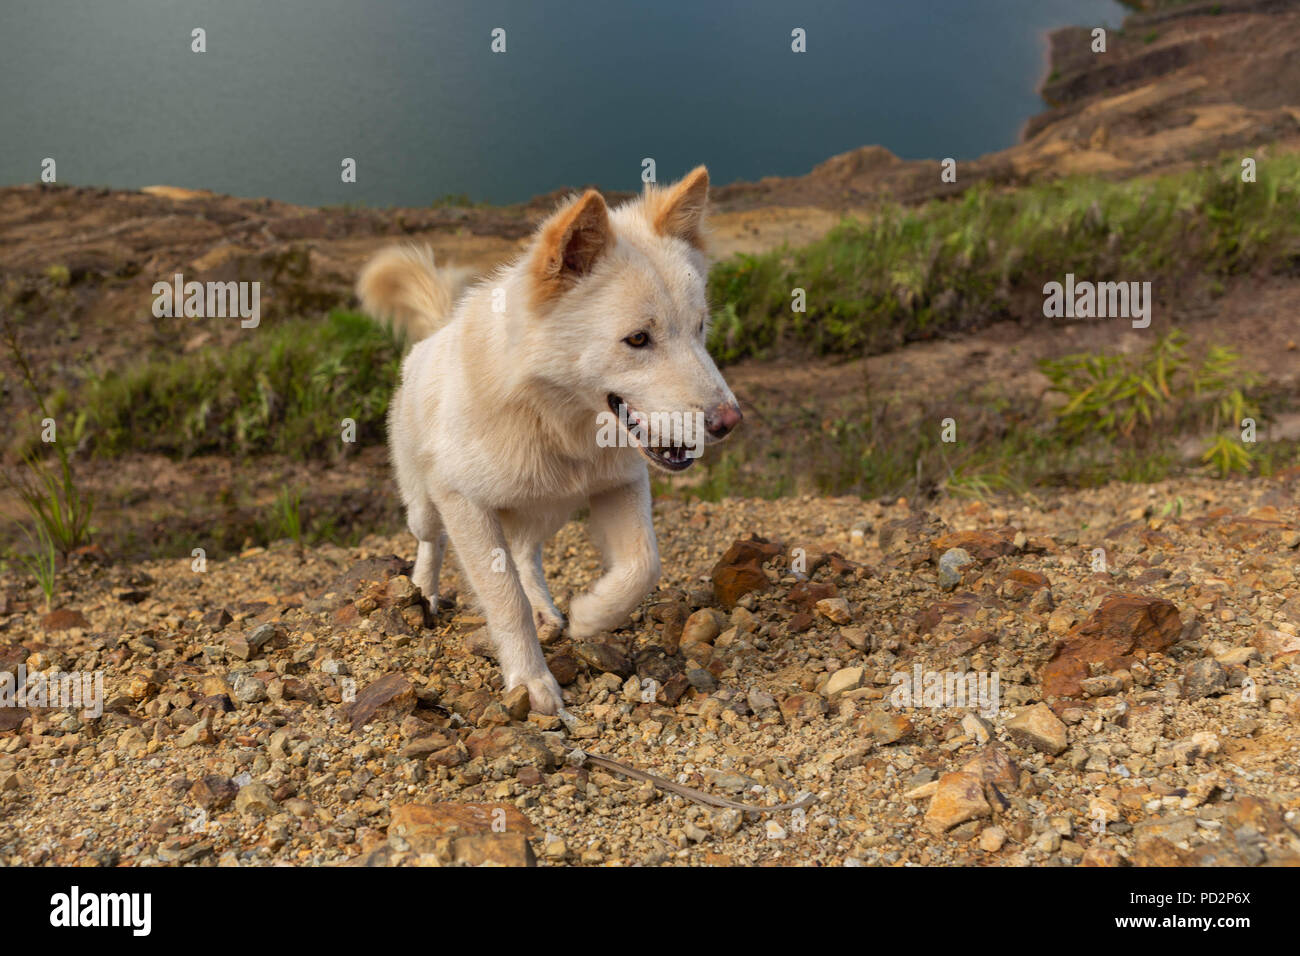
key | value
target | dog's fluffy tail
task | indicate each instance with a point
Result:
(401, 286)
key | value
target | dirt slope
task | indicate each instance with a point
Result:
(276, 708)
(282, 706)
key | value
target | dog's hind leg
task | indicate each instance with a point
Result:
(546, 616)
(422, 518)
(484, 556)
(623, 530)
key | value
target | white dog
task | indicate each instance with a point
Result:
(546, 388)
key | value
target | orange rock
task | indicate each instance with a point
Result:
(392, 693)
(740, 570)
(959, 797)
(994, 765)
(1121, 626)
(1019, 583)
(1276, 645)
(802, 707)
(982, 545)
(493, 849)
(442, 819)
(806, 594)
(1099, 856)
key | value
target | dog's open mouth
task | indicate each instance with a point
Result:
(669, 455)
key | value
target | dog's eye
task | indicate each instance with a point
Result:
(638, 340)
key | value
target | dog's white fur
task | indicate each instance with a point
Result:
(493, 431)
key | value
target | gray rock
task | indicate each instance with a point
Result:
(1204, 678)
(249, 689)
(260, 635)
(604, 658)
(726, 823)
(701, 679)
(950, 565)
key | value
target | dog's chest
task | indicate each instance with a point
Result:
(546, 482)
(582, 479)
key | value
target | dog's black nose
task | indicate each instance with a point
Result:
(722, 420)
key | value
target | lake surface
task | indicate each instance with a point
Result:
(585, 90)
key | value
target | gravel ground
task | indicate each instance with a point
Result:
(300, 707)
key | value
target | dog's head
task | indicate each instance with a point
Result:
(621, 318)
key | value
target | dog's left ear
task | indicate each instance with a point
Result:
(570, 243)
(678, 211)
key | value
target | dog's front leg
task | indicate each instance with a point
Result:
(484, 555)
(624, 532)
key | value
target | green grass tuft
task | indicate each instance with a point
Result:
(949, 265)
(287, 389)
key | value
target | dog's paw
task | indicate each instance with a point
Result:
(544, 695)
(583, 618)
(428, 610)
(428, 605)
(549, 629)
(584, 629)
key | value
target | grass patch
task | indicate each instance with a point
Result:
(60, 510)
(40, 559)
(286, 390)
(950, 265)
(1140, 401)
(50, 495)
(1113, 418)
(286, 518)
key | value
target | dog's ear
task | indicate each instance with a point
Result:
(570, 243)
(678, 210)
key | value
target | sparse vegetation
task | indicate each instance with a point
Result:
(287, 516)
(287, 391)
(454, 201)
(40, 560)
(947, 266)
(1119, 417)
(58, 508)
(1140, 401)
(51, 497)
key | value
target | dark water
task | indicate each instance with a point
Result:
(585, 90)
